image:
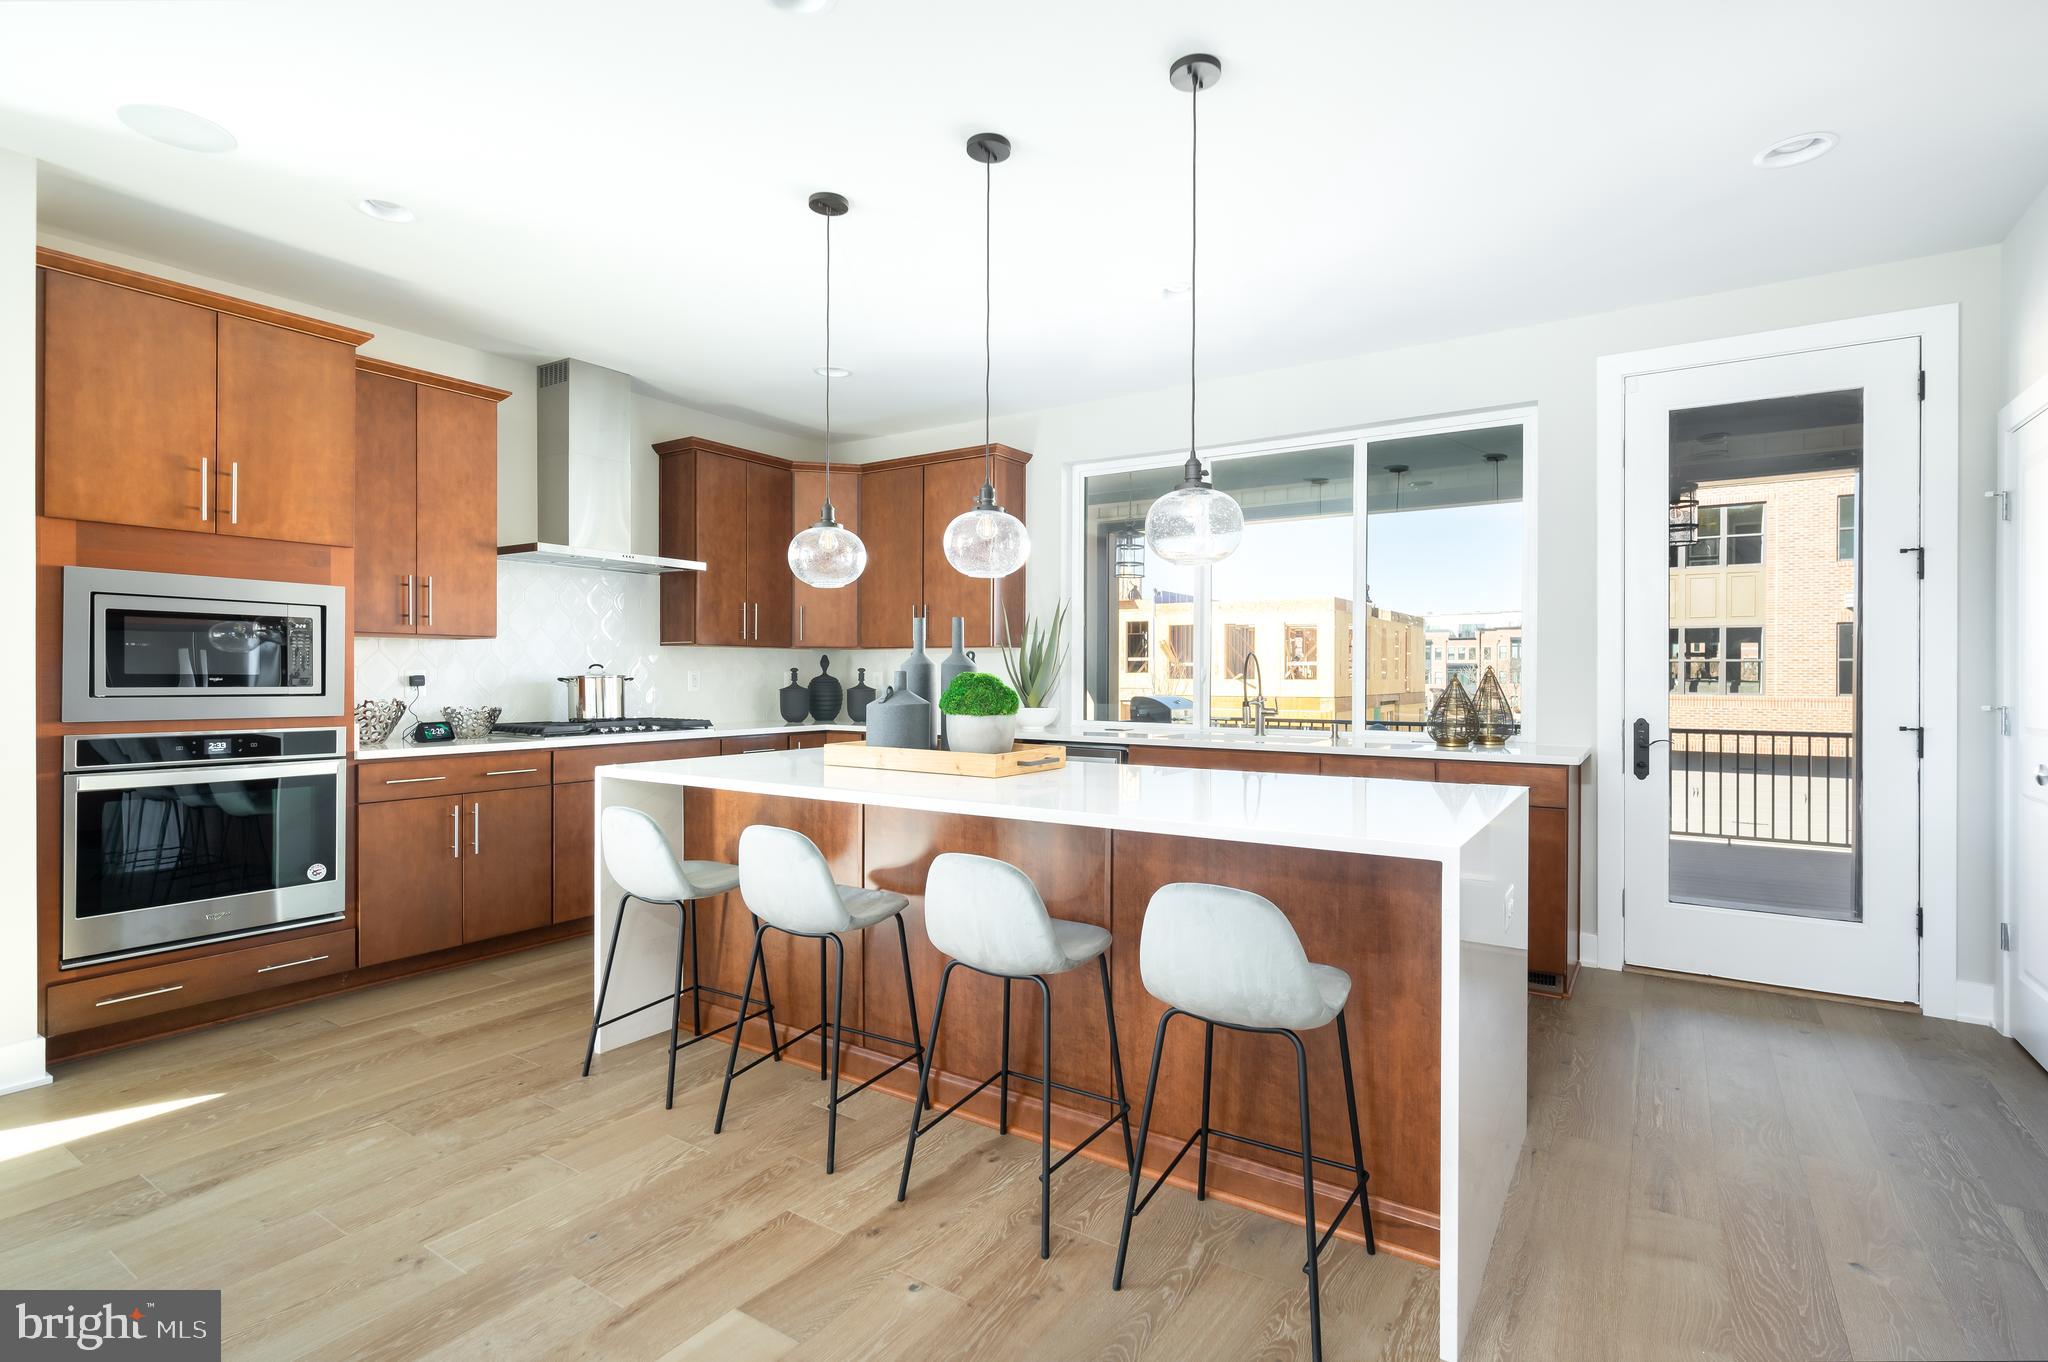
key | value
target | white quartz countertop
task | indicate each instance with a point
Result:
(1422, 820)
(395, 748)
(1373, 744)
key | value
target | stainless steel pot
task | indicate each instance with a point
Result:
(596, 694)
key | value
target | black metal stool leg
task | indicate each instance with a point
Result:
(768, 1005)
(1308, 1202)
(1357, 1146)
(924, 1070)
(910, 991)
(837, 1037)
(675, 1012)
(1123, 1239)
(1003, 1091)
(1208, 1067)
(823, 1036)
(1116, 1062)
(604, 985)
(1045, 1121)
(696, 970)
(733, 1054)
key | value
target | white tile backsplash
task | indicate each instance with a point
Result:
(553, 621)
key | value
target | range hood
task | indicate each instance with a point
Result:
(585, 474)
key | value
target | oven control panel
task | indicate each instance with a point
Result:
(102, 751)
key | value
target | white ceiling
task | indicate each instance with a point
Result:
(625, 181)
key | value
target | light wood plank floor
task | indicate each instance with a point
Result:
(417, 1171)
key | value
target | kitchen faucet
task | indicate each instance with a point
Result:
(1245, 712)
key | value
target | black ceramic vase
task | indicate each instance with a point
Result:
(826, 693)
(796, 700)
(858, 695)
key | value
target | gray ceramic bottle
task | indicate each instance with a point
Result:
(954, 664)
(901, 718)
(918, 671)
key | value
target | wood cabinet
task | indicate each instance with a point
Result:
(892, 588)
(426, 499)
(760, 742)
(408, 878)
(148, 989)
(825, 617)
(575, 841)
(949, 489)
(906, 505)
(730, 509)
(507, 876)
(172, 407)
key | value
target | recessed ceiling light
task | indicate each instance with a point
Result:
(1797, 150)
(176, 127)
(384, 210)
(802, 6)
(831, 371)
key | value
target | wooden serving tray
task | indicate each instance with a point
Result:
(1020, 760)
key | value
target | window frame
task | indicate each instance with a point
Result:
(1074, 688)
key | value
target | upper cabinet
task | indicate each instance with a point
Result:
(176, 408)
(730, 509)
(426, 503)
(907, 505)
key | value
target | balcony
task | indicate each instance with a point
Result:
(1764, 820)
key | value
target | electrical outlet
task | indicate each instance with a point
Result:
(695, 681)
(416, 680)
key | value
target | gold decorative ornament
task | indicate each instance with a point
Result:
(1452, 722)
(1493, 717)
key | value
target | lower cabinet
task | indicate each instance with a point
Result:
(440, 872)
(575, 849)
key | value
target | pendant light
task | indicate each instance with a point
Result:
(1194, 524)
(827, 554)
(986, 540)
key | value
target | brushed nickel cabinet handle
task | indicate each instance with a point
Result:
(800, 622)
(455, 834)
(405, 598)
(235, 493)
(476, 829)
(516, 771)
(146, 993)
(430, 598)
(413, 780)
(204, 487)
(291, 964)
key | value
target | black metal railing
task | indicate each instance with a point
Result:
(1780, 786)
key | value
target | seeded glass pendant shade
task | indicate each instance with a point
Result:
(827, 554)
(985, 540)
(1194, 524)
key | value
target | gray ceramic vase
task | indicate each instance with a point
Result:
(796, 700)
(955, 663)
(859, 696)
(826, 693)
(922, 677)
(901, 718)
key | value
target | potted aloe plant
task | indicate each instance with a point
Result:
(981, 714)
(1035, 668)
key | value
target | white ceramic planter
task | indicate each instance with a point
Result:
(993, 733)
(1037, 718)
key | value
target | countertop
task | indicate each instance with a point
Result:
(394, 748)
(1412, 746)
(1423, 820)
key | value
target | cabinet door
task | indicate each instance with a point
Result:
(287, 438)
(724, 610)
(949, 489)
(507, 861)
(1550, 893)
(386, 599)
(127, 405)
(458, 514)
(1009, 592)
(575, 850)
(768, 575)
(825, 618)
(892, 516)
(408, 878)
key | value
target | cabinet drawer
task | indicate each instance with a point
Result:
(1381, 768)
(578, 763)
(419, 777)
(1549, 786)
(764, 742)
(152, 989)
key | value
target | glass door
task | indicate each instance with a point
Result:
(1772, 640)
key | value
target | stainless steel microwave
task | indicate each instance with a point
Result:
(150, 646)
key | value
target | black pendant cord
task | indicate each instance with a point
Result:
(1194, 244)
(988, 361)
(828, 366)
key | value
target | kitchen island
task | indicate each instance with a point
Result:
(1417, 889)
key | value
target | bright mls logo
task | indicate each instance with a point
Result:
(170, 1326)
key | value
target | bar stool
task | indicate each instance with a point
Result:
(1230, 958)
(637, 855)
(789, 888)
(988, 916)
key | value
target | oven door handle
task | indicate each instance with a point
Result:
(132, 777)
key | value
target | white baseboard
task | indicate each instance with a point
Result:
(1976, 1003)
(1589, 951)
(21, 1066)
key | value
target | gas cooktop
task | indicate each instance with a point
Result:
(581, 728)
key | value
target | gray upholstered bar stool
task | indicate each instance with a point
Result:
(637, 856)
(987, 915)
(789, 888)
(1230, 958)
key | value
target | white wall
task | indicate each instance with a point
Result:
(1552, 366)
(2025, 263)
(21, 1047)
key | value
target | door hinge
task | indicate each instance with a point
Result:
(2005, 936)
(1919, 920)
(1923, 385)
(2004, 713)
(2004, 500)
(1919, 739)
(1919, 561)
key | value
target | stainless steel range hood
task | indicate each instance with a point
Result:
(585, 474)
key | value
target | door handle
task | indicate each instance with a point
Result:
(204, 487)
(235, 493)
(476, 829)
(1643, 743)
(455, 836)
(2041, 775)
